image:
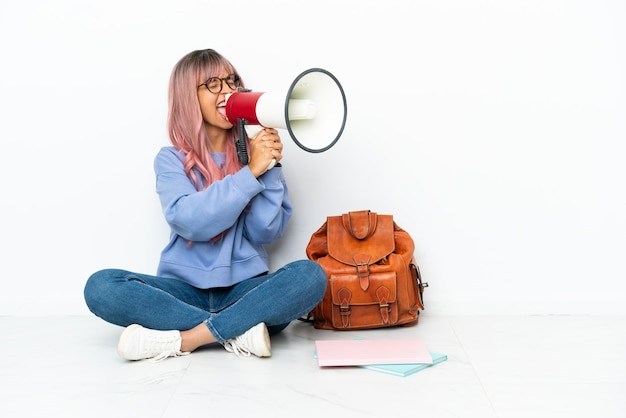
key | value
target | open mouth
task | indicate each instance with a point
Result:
(221, 109)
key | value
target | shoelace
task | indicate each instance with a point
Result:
(169, 353)
(162, 344)
(233, 346)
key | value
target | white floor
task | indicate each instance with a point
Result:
(498, 366)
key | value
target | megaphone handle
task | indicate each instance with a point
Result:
(240, 144)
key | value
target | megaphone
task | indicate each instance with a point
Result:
(313, 110)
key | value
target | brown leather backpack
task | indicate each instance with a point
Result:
(373, 278)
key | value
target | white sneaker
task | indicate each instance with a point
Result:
(137, 343)
(254, 341)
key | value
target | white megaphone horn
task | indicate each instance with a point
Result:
(313, 110)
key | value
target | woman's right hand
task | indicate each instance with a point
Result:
(265, 146)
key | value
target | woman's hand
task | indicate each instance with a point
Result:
(264, 147)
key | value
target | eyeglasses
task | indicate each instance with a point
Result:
(215, 84)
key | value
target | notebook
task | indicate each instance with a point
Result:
(367, 352)
(406, 369)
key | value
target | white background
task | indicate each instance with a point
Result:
(493, 131)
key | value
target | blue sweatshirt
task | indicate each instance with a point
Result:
(250, 211)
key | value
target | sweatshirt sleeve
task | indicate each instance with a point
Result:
(270, 210)
(202, 215)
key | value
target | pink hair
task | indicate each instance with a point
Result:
(185, 122)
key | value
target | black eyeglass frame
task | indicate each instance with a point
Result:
(232, 80)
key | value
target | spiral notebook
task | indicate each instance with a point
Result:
(368, 352)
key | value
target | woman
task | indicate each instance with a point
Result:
(212, 283)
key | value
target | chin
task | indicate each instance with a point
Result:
(222, 123)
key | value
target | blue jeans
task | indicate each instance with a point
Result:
(123, 298)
